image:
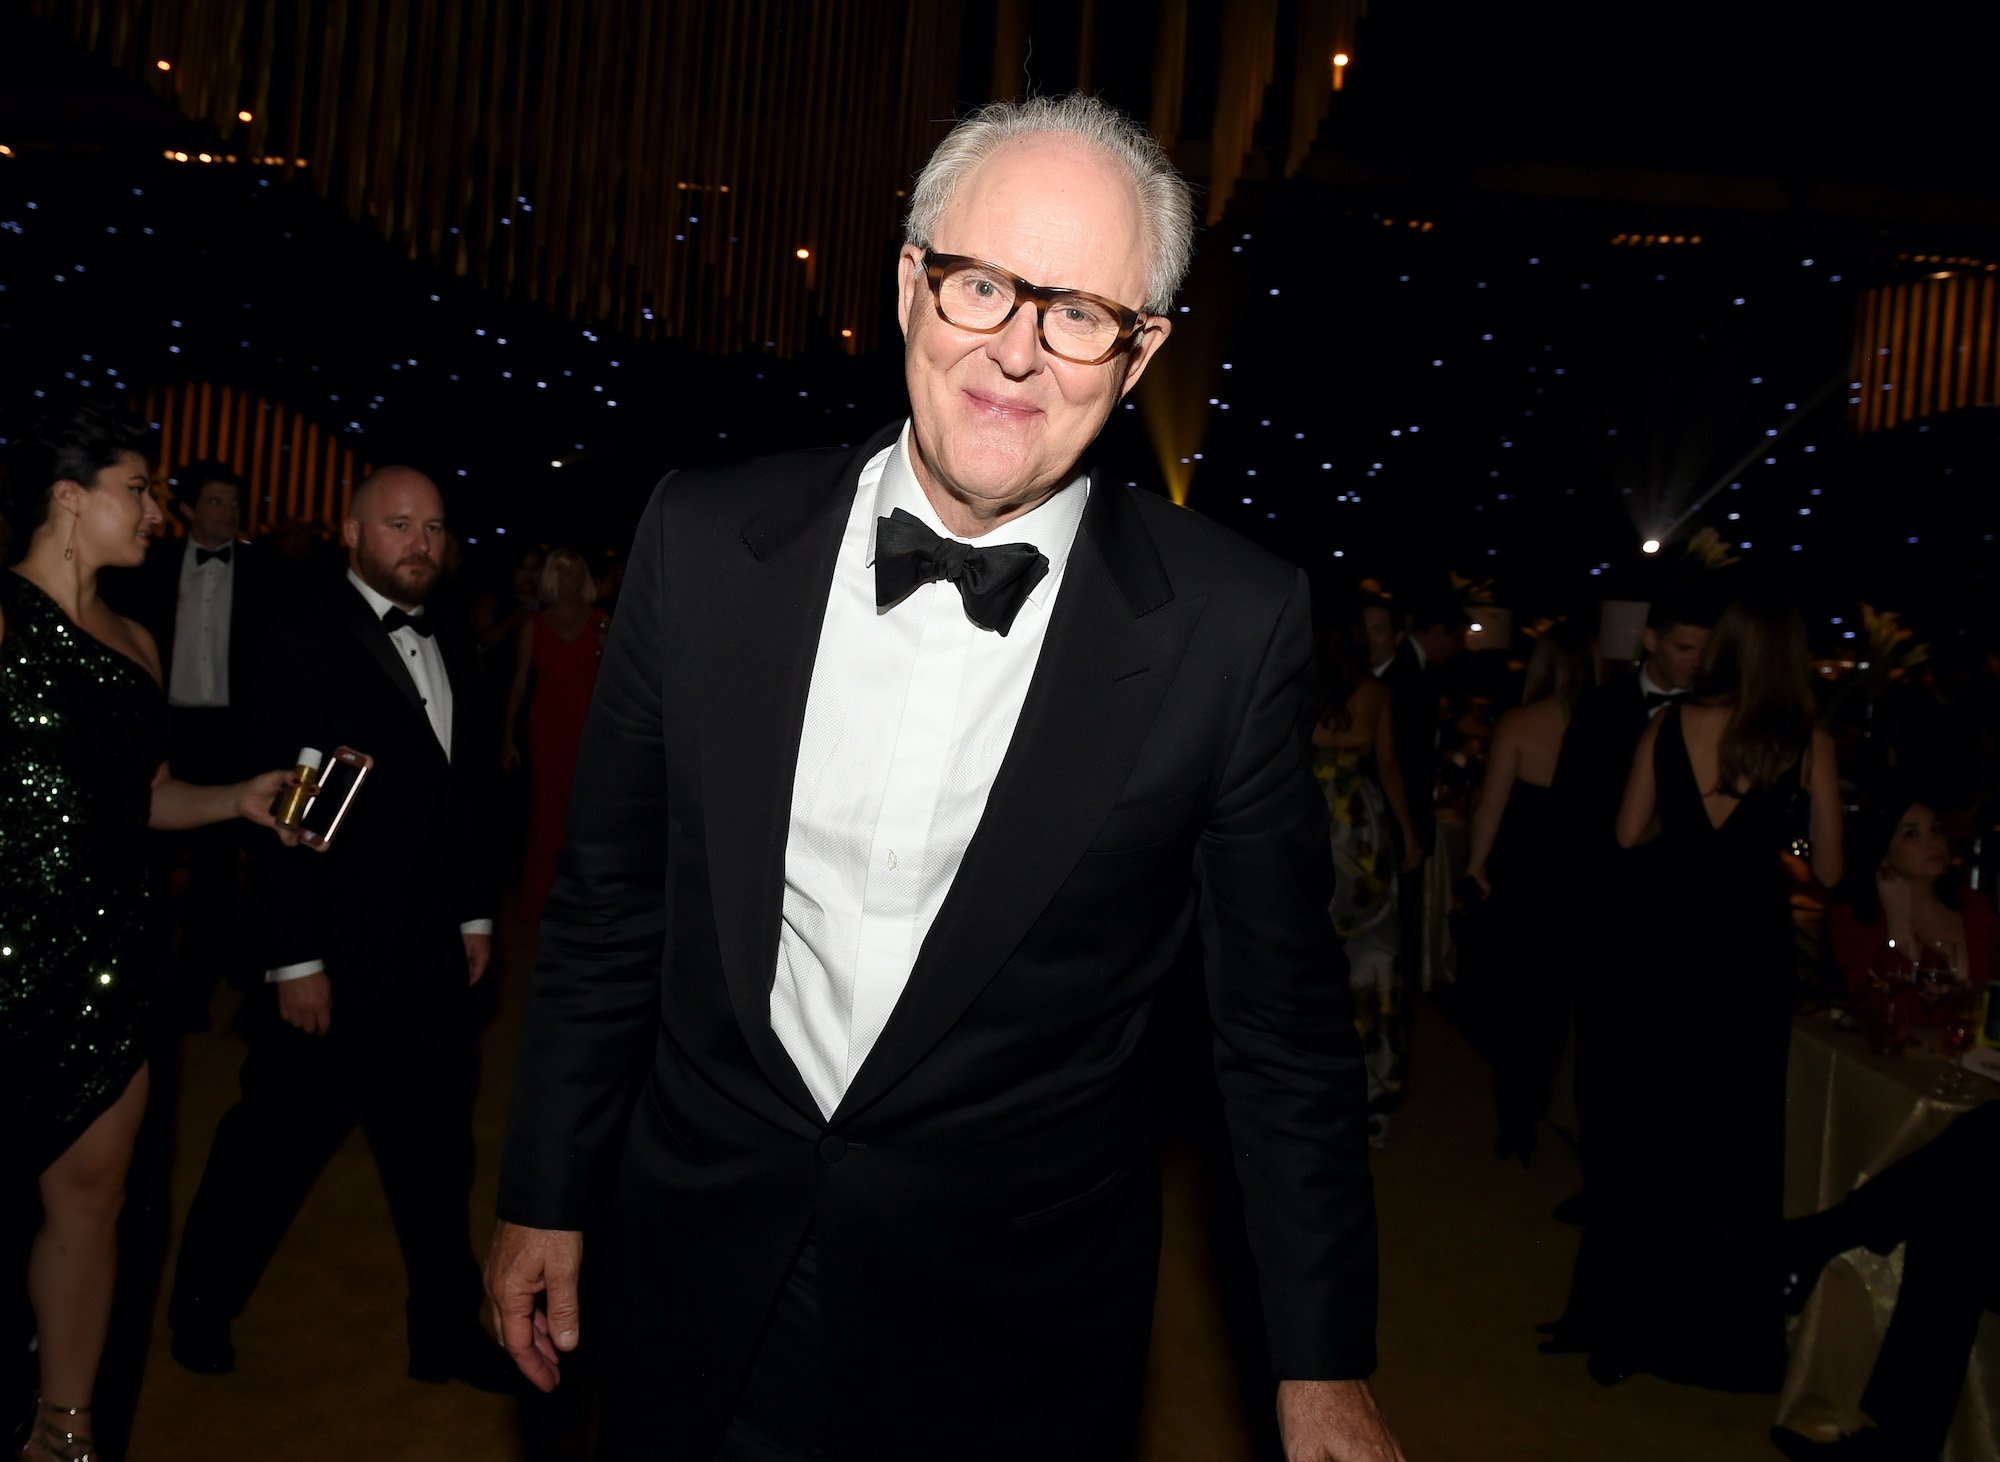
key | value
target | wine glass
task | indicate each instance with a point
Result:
(1949, 1005)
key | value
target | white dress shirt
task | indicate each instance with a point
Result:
(910, 711)
(425, 662)
(199, 675)
(1649, 686)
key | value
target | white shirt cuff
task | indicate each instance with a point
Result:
(476, 926)
(294, 972)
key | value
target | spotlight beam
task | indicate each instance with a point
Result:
(1762, 447)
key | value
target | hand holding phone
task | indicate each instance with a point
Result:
(345, 770)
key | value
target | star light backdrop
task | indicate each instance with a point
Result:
(1369, 377)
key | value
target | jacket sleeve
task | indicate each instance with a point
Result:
(593, 1012)
(1287, 1059)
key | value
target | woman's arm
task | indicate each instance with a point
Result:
(517, 696)
(1503, 765)
(1823, 785)
(1636, 823)
(179, 805)
(1389, 771)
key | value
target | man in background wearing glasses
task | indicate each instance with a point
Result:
(909, 771)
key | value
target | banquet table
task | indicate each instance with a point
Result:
(1849, 1114)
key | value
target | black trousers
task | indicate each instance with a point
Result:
(782, 1413)
(403, 1070)
(1940, 1201)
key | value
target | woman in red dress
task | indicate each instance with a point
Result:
(558, 650)
(1904, 893)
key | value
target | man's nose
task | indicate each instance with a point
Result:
(1017, 347)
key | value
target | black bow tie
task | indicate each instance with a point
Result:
(994, 582)
(203, 555)
(1657, 698)
(396, 619)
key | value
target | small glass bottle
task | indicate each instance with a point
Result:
(291, 805)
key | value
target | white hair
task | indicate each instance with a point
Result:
(1166, 202)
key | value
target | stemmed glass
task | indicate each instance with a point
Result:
(1949, 1001)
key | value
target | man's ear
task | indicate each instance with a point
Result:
(1151, 338)
(350, 531)
(1649, 642)
(909, 279)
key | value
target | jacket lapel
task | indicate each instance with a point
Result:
(367, 629)
(766, 605)
(1112, 649)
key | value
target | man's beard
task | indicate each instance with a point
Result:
(382, 577)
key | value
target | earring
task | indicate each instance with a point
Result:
(69, 549)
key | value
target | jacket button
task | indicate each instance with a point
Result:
(832, 1148)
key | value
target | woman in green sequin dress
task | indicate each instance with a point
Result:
(81, 779)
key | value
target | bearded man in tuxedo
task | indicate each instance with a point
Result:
(909, 770)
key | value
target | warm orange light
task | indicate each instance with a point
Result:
(206, 158)
(1340, 58)
(242, 116)
(5, 150)
(847, 335)
(164, 65)
(803, 253)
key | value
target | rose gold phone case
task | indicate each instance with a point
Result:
(362, 763)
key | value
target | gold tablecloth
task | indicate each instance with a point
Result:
(1849, 1114)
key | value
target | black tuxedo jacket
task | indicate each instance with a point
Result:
(985, 1214)
(1413, 705)
(151, 595)
(1597, 751)
(383, 904)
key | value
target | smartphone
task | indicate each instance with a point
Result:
(339, 780)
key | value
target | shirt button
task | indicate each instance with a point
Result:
(892, 860)
(832, 1148)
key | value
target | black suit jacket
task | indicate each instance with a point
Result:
(151, 595)
(985, 1214)
(383, 904)
(1413, 707)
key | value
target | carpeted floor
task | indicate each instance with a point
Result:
(1470, 1261)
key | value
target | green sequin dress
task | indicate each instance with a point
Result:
(81, 734)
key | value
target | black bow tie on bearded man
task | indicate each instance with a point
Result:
(994, 582)
(203, 555)
(1657, 698)
(396, 619)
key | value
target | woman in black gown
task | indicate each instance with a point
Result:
(1670, 1277)
(1523, 857)
(81, 779)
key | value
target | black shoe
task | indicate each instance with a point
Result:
(473, 1359)
(1573, 1209)
(201, 1344)
(1607, 1370)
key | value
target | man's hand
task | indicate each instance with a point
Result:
(1333, 1421)
(523, 1263)
(478, 955)
(307, 1003)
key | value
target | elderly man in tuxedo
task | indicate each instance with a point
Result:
(908, 772)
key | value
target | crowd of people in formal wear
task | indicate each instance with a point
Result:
(132, 650)
(1637, 847)
(1665, 861)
